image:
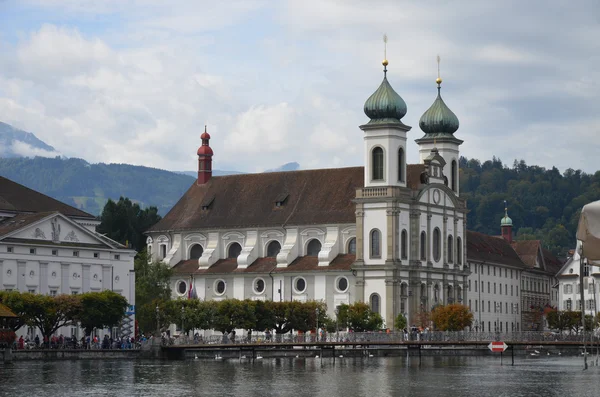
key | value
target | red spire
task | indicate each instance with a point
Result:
(205, 154)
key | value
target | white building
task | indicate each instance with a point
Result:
(388, 233)
(568, 287)
(48, 247)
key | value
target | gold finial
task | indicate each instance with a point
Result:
(385, 40)
(439, 79)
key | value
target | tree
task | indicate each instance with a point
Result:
(49, 313)
(359, 318)
(152, 288)
(232, 314)
(454, 317)
(125, 222)
(400, 322)
(101, 310)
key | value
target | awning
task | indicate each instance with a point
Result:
(588, 231)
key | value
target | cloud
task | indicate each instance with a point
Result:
(26, 150)
(136, 81)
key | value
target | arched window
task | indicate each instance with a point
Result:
(401, 165)
(436, 244)
(234, 251)
(423, 246)
(459, 251)
(313, 248)
(149, 250)
(377, 163)
(375, 243)
(454, 176)
(403, 244)
(352, 246)
(196, 251)
(273, 249)
(375, 306)
(450, 249)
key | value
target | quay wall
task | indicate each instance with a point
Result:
(74, 354)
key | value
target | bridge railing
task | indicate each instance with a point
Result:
(382, 337)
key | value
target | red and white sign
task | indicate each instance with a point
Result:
(497, 346)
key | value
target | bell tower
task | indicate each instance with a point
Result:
(205, 154)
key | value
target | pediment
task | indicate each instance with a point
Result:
(438, 195)
(56, 229)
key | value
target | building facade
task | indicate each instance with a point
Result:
(388, 233)
(48, 247)
(568, 287)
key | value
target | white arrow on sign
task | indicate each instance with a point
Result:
(497, 346)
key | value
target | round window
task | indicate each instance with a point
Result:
(181, 287)
(220, 287)
(300, 285)
(95, 277)
(74, 275)
(117, 279)
(31, 274)
(53, 274)
(342, 284)
(8, 272)
(259, 286)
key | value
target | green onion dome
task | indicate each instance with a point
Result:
(439, 119)
(385, 105)
(506, 221)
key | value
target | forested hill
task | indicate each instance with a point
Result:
(89, 186)
(542, 203)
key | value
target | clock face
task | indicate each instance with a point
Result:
(436, 196)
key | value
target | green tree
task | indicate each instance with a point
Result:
(234, 314)
(125, 222)
(49, 313)
(359, 318)
(452, 317)
(152, 288)
(101, 309)
(400, 322)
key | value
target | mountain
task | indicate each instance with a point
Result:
(18, 143)
(88, 186)
(286, 167)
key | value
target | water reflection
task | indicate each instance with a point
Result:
(398, 376)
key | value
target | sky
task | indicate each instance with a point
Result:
(135, 81)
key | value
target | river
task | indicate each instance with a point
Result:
(395, 376)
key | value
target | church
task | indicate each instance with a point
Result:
(388, 233)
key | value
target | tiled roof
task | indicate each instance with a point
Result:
(553, 264)
(19, 221)
(527, 250)
(312, 197)
(15, 197)
(6, 312)
(265, 265)
(488, 249)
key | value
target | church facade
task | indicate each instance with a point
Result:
(388, 233)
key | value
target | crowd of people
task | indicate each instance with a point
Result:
(86, 342)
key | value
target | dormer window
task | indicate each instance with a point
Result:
(207, 203)
(281, 199)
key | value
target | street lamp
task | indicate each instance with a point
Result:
(182, 317)
(317, 311)
(157, 321)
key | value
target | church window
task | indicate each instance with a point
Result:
(454, 175)
(375, 306)
(181, 287)
(375, 243)
(404, 244)
(234, 251)
(342, 284)
(163, 251)
(377, 163)
(423, 246)
(313, 248)
(352, 246)
(459, 251)
(220, 287)
(401, 165)
(450, 251)
(259, 286)
(299, 285)
(196, 251)
(436, 244)
(273, 249)
(32, 251)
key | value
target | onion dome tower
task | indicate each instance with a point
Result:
(506, 225)
(439, 124)
(385, 135)
(205, 154)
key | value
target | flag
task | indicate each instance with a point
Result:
(192, 291)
